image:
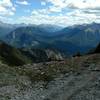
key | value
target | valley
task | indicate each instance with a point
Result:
(69, 40)
(37, 66)
(49, 49)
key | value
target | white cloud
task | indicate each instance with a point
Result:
(23, 2)
(81, 11)
(88, 4)
(56, 2)
(82, 17)
(7, 8)
(6, 19)
(61, 12)
(6, 3)
(77, 16)
(57, 5)
(43, 3)
(54, 9)
(39, 18)
(46, 11)
(81, 4)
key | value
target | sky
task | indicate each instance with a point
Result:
(58, 12)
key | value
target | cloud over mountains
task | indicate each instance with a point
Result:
(62, 12)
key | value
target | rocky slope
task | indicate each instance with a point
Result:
(15, 57)
(72, 79)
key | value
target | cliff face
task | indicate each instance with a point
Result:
(54, 55)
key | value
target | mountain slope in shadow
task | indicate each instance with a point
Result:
(15, 57)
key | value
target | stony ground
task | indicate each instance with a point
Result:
(73, 79)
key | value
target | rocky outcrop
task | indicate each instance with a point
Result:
(54, 55)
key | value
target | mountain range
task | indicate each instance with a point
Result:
(33, 63)
(67, 40)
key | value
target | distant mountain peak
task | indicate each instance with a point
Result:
(50, 27)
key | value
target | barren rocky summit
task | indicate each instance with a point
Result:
(76, 78)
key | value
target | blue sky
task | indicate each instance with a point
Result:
(59, 12)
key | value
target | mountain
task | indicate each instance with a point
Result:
(81, 35)
(24, 37)
(50, 30)
(5, 29)
(33, 37)
(70, 40)
(14, 56)
(38, 71)
(11, 55)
